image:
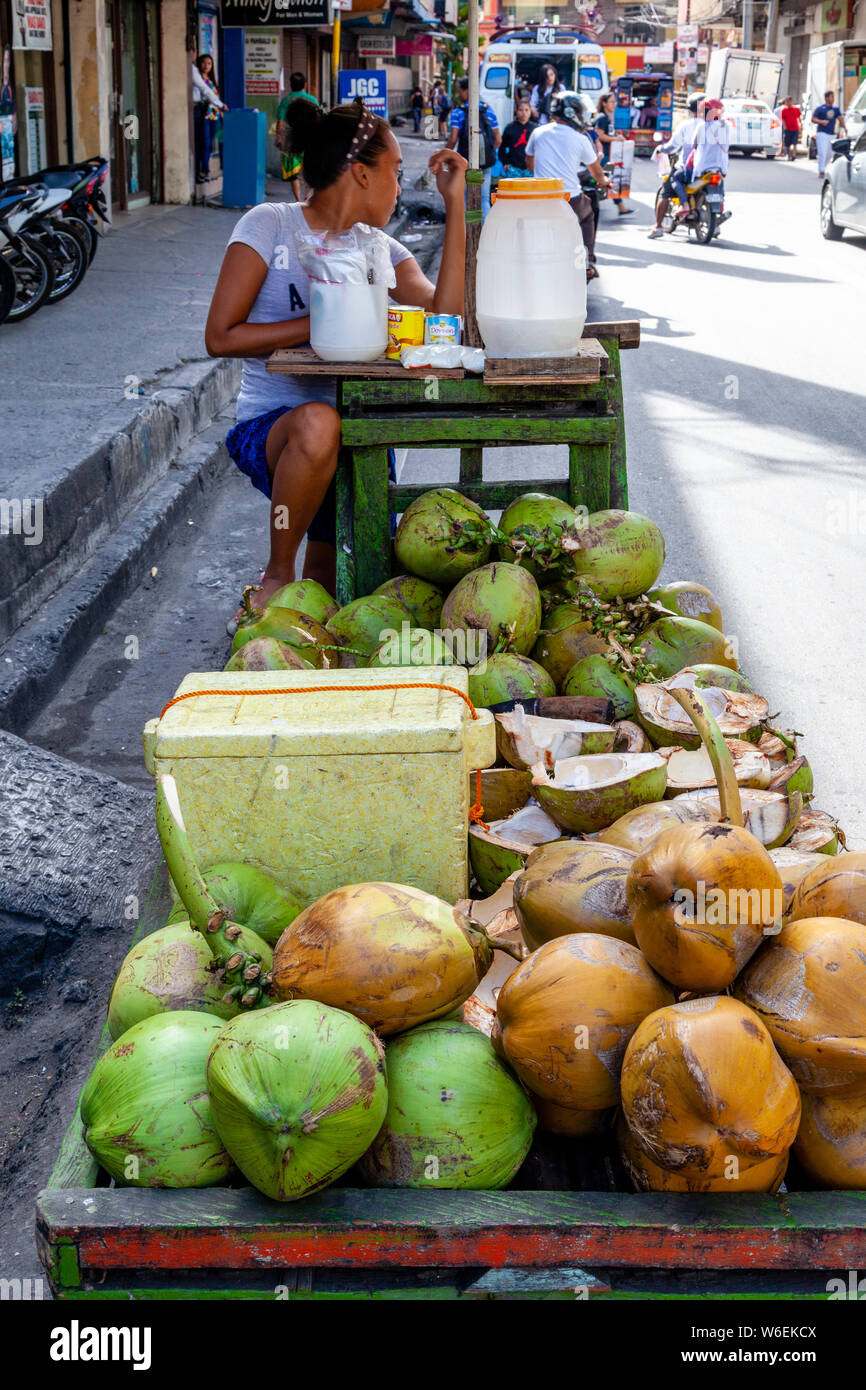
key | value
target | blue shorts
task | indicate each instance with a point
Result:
(246, 443)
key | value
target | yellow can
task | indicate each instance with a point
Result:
(405, 328)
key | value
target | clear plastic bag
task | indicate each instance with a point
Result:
(359, 256)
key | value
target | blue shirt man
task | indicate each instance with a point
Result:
(825, 117)
(454, 142)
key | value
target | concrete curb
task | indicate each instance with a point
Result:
(128, 458)
(36, 659)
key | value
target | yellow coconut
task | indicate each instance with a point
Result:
(701, 899)
(637, 829)
(793, 866)
(567, 1012)
(647, 1176)
(834, 888)
(391, 955)
(575, 1124)
(831, 1142)
(573, 886)
(705, 1094)
(808, 984)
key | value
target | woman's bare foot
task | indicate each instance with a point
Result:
(258, 594)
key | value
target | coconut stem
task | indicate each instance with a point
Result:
(713, 740)
(205, 914)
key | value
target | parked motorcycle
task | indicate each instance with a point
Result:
(79, 189)
(30, 263)
(705, 198)
(61, 238)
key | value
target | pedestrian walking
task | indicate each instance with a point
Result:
(206, 107)
(416, 104)
(490, 138)
(791, 119)
(605, 134)
(442, 110)
(515, 138)
(288, 431)
(291, 162)
(547, 86)
(826, 117)
(559, 150)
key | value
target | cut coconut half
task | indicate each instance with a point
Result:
(692, 768)
(501, 849)
(589, 793)
(630, 737)
(526, 739)
(776, 749)
(795, 776)
(770, 816)
(736, 712)
(793, 866)
(483, 910)
(817, 833)
(479, 1010)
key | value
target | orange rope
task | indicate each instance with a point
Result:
(476, 812)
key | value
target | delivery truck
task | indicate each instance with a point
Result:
(840, 68)
(744, 73)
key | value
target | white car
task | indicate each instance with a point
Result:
(753, 126)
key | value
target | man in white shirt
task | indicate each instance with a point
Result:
(559, 150)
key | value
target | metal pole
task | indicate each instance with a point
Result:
(335, 58)
(473, 184)
(772, 26)
(472, 44)
(747, 23)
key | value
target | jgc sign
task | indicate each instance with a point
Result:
(253, 14)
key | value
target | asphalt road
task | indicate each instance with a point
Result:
(744, 409)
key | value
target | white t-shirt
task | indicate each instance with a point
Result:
(711, 148)
(559, 152)
(273, 230)
(684, 136)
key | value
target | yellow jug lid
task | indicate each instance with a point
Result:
(531, 188)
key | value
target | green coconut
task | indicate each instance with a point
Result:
(456, 1118)
(502, 600)
(566, 638)
(298, 1093)
(707, 674)
(621, 554)
(508, 676)
(145, 1109)
(535, 524)
(587, 794)
(418, 647)
(596, 676)
(794, 776)
(423, 600)
(362, 625)
(305, 596)
(169, 970)
(689, 600)
(268, 654)
(249, 895)
(308, 638)
(442, 536)
(669, 644)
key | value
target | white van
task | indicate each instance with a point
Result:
(514, 60)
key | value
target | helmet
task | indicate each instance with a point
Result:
(713, 105)
(568, 107)
(695, 101)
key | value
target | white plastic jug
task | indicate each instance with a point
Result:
(348, 323)
(530, 282)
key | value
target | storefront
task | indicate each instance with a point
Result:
(28, 124)
(135, 117)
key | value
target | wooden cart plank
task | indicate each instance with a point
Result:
(588, 365)
(626, 332)
(363, 396)
(302, 361)
(489, 431)
(490, 496)
(239, 1229)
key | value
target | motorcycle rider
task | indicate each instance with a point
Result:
(711, 147)
(679, 145)
(560, 150)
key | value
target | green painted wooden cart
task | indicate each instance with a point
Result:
(577, 403)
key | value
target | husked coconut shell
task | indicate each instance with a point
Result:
(630, 737)
(736, 712)
(702, 898)
(647, 1176)
(817, 833)
(501, 849)
(777, 750)
(688, 769)
(479, 1010)
(567, 1012)
(831, 1141)
(637, 829)
(770, 816)
(526, 739)
(808, 984)
(573, 886)
(835, 888)
(793, 866)
(590, 793)
(705, 1095)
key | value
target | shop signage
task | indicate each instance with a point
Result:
(370, 87)
(262, 65)
(659, 52)
(420, 45)
(836, 14)
(271, 14)
(31, 23)
(376, 46)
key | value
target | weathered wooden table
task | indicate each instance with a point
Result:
(385, 406)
